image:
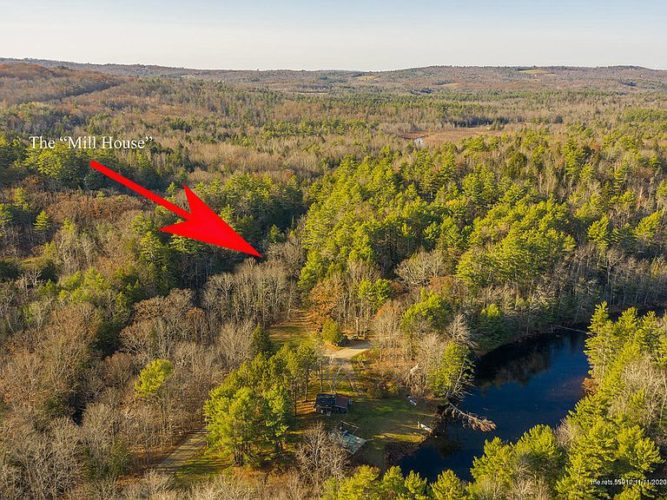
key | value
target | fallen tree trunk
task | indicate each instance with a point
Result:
(470, 419)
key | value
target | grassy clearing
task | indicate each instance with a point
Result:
(384, 419)
(384, 422)
(201, 467)
(535, 71)
(292, 331)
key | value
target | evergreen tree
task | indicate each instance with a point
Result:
(248, 415)
(598, 233)
(453, 373)
(447, 487)
(261, 341)
(331, 332)
(153, 377)
(495, 470)
(6, 218)
(42, 222)
(21, 200)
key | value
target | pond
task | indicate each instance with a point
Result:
(517, 386)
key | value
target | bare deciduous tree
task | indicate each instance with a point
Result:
(234, 343)
(46, 463)
(160, 323)
(418, 269)
(320, 456)
(255, 292)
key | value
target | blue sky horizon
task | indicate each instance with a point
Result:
(365, 35)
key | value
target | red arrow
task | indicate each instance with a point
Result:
(201, 223)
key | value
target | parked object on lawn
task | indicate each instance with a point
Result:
(424, 427)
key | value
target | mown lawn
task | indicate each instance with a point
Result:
(292, 331)
(201, 467)
(384, 421)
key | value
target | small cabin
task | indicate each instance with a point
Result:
(332, 403)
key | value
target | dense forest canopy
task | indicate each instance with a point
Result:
(435, 213)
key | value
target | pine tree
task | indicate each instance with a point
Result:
(153, 377)
(234, 424)
(415, 486)
(247, 420)
(42, 222)
(538, 450)
(599, 233)
(261, 341)
(447, 487)
(21, 200)
(591, 458)
(331, 332)
(363, 483)
(453, 373)
(497, 466)
(6, 218)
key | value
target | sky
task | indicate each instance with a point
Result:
(343, 34)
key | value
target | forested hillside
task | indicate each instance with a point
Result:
(435, 222)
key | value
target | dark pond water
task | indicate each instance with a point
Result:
(517, 386)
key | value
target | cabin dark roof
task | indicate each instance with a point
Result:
(342, 401)
(332, 401)
(326, 400)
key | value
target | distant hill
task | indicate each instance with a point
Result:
(414, 80)
(23, 82)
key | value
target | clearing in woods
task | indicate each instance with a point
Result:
(384, 420)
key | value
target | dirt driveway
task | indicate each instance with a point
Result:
(351, 350)
(191, 447)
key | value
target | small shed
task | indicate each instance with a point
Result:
(350, 442)
(332, 403)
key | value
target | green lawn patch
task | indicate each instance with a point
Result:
(292, 331)
(201, 468)
(384, 421)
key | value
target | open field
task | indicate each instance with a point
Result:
(292, 331)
